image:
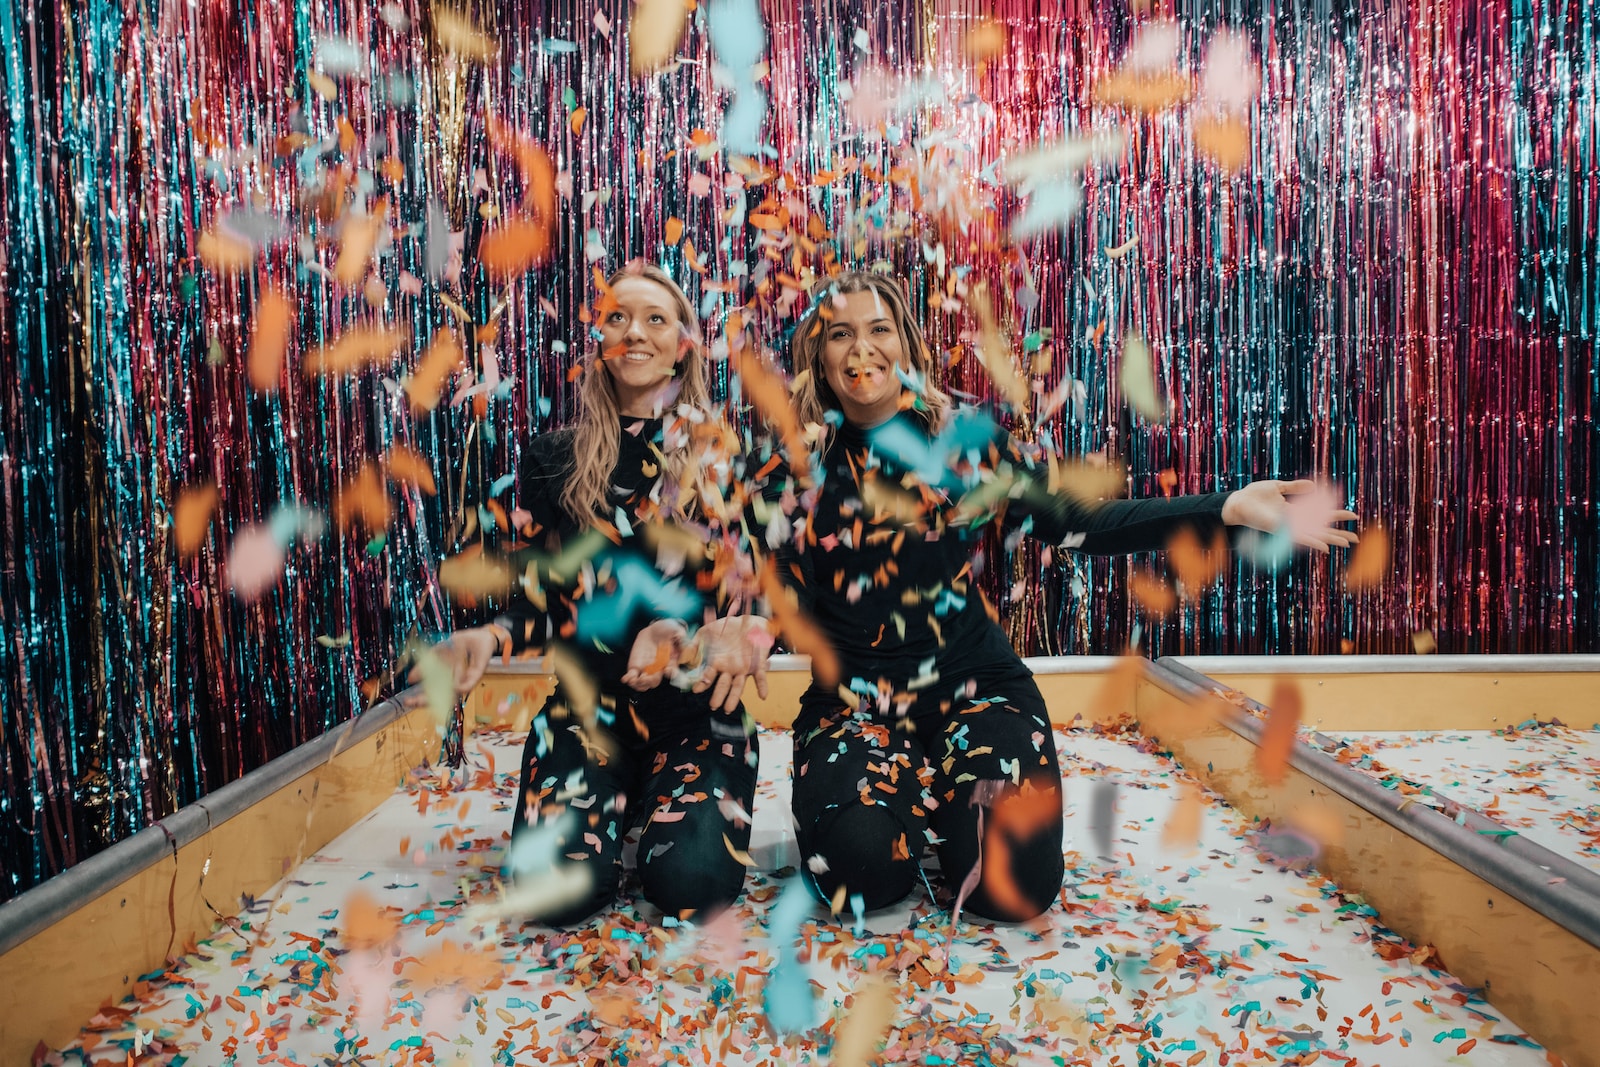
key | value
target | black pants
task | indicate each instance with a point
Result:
(677, 782)
(869, 794)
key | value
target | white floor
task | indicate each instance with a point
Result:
(1543, 782)
(1155, 955)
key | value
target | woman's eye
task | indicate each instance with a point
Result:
(658, 319)
(616, 316)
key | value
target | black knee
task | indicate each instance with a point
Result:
(865, 849)
(685, 884)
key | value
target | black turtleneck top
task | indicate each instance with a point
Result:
(880, 553)
(601, 583)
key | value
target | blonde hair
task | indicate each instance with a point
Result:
(815, 398)
(594, 443)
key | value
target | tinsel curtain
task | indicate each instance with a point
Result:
(1398, 291)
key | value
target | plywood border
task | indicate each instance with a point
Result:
(1529, 966)
(86, 936)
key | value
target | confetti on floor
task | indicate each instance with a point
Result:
(1203, 955)
(1539, 779)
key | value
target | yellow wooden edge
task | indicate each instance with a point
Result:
(60, 977)
(1529, 967)
(1358, 703)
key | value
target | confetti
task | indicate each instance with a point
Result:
(1369, 563)
(255, 562)
(654, 29)
(1137, 380)
(409, 468)
(224, 253)
(995, 355)
(864, 1027)
(1197, 567)
(269, 339)
(1155, 596)
(456, 33)
(1182, 831)
(1224, 141)
(357, 239)
(442, 359)
(364, 501)
(802, 634)
(191, 516)
(357, 349)
(475, 574)
(1279, 730)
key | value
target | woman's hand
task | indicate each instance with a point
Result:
(1308, 509)
(732, 650)
(467, 653)
(656, 653)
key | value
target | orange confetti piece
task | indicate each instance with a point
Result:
(1139, 91)
(1197, 567)
(738, 853)
(452, 965)
(366, 925)
(1137, 380)
(358, 238)
(191, 516)
(363, 499)
(523, 240)
(803, 634)
(225, 253)
(984, 41)
(866, 1024)
(269, 340)
(1019, 815)
(766, 389)
(1224, 141)
(1114, 701)
(516, 246)
(456, 33)
(575, 120)
(1182, 831)
(442, 359)
(1318, 823)
(409, 468)
(1278, 733)
(1369, 563)
(674, 230)
(654, 31)
(356, 349)
(1424, 643)
(1153, 594)
(473, 574)
(995, 355)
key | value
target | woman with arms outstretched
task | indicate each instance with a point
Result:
(936, 725)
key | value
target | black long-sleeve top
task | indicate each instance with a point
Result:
(880, 553)
(595, 586)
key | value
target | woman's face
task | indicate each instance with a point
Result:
(860, 351)
(642, 340)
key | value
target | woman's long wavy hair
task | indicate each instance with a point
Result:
(815, 397)
(594, 445)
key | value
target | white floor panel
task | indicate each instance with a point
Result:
(1214, 955)
(1541, 780)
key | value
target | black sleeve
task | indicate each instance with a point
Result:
(1101, 528)
(526, 616)
(777, 520)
